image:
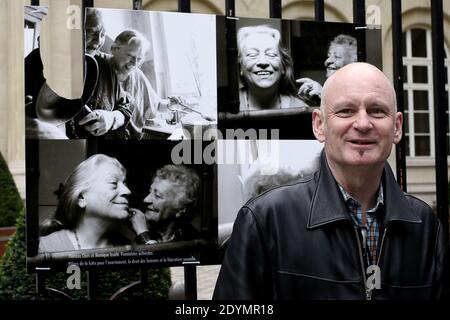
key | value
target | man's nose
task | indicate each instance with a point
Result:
(363, 121)
(328, 61)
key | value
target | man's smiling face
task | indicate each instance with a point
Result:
(358, 121)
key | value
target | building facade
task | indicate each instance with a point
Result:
(63, 67)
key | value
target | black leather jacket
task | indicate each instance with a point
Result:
(298, 242)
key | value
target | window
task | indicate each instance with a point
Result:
(418, 93)
(32, 26)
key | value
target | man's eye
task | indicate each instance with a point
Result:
(346, 112)
(377, 112)
(272, 54)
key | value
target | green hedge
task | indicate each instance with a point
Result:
(16, 284)
(10, 202)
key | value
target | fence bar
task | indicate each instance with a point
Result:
(319, 10)
(137, 4)
(88, 4)
(190, 282)
(190, 271)
(40, 282)
(92, 282)
(184, 6)
(359, 11)
(230, 8)
(275, 9)
(400, 148)
(92, 276)
(34, 2)
(232, 59)
(440, 117)
(32, 196)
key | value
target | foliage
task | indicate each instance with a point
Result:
(16, 283)
(10, 202)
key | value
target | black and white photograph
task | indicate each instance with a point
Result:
(112, 200)
(261, 92)
(320, 49)
(258, 166)
(281, 66)
(148, 75)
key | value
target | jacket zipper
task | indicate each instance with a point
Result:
(381, 249)
(361, 260)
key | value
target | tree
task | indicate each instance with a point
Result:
(10, 202)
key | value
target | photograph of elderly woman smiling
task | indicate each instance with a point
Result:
(92, 204)
(256, 85)
(266, 70)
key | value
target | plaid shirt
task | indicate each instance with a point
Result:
(368, 222)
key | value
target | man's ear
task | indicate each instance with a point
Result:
(398, 127)
(318, 123)
(81, 201)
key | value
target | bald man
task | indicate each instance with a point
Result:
(347, 231)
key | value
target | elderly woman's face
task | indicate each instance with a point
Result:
(163, 200)
(107, 196)
(260, 61)
(127, 57)
(337, 58)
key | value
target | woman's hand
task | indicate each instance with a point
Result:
(310, 91)
(138, 221)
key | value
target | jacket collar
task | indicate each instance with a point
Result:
(397, 207)
(328, 206)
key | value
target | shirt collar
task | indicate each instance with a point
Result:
(347, 197)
